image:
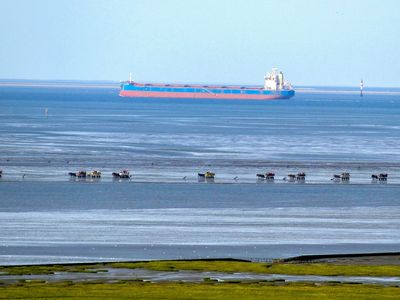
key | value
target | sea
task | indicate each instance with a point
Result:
(48, 129)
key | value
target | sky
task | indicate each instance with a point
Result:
(314, 42)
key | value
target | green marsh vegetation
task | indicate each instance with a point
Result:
(49, 269)
(217, 266)
(266, 268)
(206, 290)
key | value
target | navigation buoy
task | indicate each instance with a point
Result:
(361, 87)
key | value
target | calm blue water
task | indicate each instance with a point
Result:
(45, 217)
(164, 140)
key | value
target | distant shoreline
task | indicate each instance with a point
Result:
(345, 92)
(59, 85)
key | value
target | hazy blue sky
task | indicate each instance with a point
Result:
(314, 42)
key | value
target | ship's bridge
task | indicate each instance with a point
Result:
(274, 81)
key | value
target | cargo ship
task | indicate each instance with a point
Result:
(274, 88)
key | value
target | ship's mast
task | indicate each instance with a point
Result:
(130, 77)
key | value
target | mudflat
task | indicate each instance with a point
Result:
(373, 259)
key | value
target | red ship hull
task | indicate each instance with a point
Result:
(145, 94)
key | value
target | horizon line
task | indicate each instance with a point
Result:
(109, 81)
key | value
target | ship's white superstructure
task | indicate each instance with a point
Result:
(274, 81)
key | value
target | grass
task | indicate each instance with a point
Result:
(209, 290)
(48, 269)
(266, 268)
(217, 266)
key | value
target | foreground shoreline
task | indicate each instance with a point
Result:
(353, 276)
(375, 258)
(353, 264)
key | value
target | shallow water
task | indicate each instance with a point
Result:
(164, 140)
(163, 212)
(58, 222)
